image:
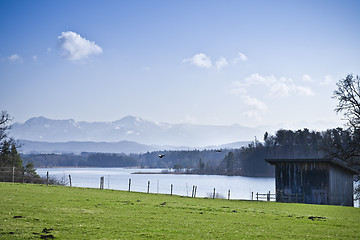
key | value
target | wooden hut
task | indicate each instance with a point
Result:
(315, 181)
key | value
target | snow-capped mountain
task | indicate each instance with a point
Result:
(133, 129)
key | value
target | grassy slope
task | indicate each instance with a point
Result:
(81, 213)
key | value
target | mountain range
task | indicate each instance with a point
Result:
(133, 129)
(127, 135)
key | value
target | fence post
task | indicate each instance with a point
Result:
(195, 191)
(229, 195)
(148, 189)
(47, 178)
(13, 174)
(101, 182)
(171, 189)
(129, 184)
(252, 196)
(192, 191)
(257, 196)
(70, 180)
(268, 196)
(214, 194)
(157, 186)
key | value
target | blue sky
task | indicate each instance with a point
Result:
(206, 62)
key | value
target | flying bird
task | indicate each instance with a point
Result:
(161, 155)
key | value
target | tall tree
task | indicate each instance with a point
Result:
(11, 165)
(348, 95)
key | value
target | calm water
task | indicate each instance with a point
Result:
(118, 178)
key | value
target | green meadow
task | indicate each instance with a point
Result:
(29, 211)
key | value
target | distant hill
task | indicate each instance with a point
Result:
(78, 147)
(106, 147)
(129, 129)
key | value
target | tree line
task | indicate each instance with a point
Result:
(183, 159)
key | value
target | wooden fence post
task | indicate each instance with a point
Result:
(47, 178)
(257, 196)
(214, 194)
(129, 184)
(13, 174)
(101, 182)
(268, 196)
(195, 191)
(157, 186)
(229, 195)
(252, 196)
(148, 189)
(70, 180)
(171, 189)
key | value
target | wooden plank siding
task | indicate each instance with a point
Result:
(314, 181)
(341, 185)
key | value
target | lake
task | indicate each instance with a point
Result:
(118, 178)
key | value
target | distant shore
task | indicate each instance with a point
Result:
(163, 173)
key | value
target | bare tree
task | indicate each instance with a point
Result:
(348, 95)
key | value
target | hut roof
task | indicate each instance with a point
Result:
(274, 161)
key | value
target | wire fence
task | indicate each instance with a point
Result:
(214, 194)
(12, 174)
(19, 175)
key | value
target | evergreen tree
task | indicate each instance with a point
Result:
(11, 165)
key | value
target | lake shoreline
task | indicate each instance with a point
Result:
(199, 174)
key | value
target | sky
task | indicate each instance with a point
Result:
(253, 63)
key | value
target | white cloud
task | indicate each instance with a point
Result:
(281, 87)
(15, 58)
(304, 91)
(327, 81)
(221, 63)
(238, 88)
(254, 107)
(240, 58)
(199, 60)
(75, 47)
(275, 87)
(190, 119)
(307, 78)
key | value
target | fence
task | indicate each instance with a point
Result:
(262, 196)
(259, 197)
(18, 175)
(287, 197)
(12, 174)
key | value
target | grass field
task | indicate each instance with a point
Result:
(38, 211)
